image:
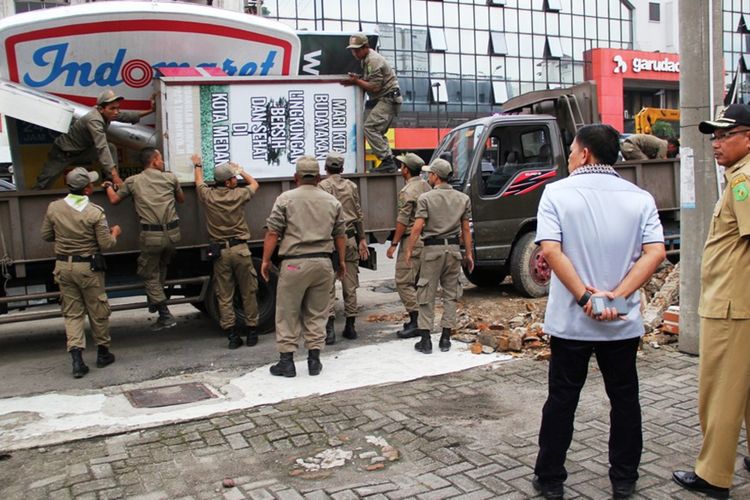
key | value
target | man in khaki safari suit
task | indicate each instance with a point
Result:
(346, 192)
(305, 222)
(406, 275)
(79, 230)
(224, 206)
(443, 216)
(154, 193)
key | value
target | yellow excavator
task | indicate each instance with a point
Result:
(647, 117)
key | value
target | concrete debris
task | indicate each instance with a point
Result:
(326, 459)
(377, 441)
(228, 482)
(487, 349)
(662, 291)
(374, 467)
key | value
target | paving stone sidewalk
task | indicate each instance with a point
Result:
(463, 435)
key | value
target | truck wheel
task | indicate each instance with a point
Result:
(266, 297)
(485, 277)
(530, 272)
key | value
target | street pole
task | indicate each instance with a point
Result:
(701, 85)
(437, 104)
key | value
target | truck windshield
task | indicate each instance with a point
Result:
(458, 148)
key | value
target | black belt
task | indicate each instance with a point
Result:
(351, 233)
(231, 242)
(314, 255)
(440, 241)
(156, 227)
(75, 258)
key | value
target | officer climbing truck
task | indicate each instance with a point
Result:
(503, 162)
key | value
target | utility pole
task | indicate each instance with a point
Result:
(701, 89)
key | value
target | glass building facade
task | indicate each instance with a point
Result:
(464, 58)
(736, 41)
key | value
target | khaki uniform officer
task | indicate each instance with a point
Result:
(87, 140)
(154, 193)
(347, 193)
(383, 98)
(406, 275)
(644, 147)
(79, 230)
(308, 221)
(442, 215)
(724, 310)
(225, 220)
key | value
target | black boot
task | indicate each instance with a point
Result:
(285, 366)
(410, 328)
(314, 365)
(104, 357)
(424, 345)
(386, 166)
(79, 367)
(165, 320)
(445, 340)
(252, 335)
(349, 331)
(330, 332)
(233, 334)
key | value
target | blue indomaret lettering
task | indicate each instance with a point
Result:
(53, 56)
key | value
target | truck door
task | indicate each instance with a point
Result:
(516, 162)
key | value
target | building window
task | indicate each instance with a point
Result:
(552, 48)
(439, 91)
(499, 92)
(654, 12)
(437, 40)
(552, 5)
(498, 45)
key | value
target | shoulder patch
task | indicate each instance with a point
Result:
(740, 190)
(738, 179)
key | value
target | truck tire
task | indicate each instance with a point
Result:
(530, 273)
(485, 277)
(266, 297)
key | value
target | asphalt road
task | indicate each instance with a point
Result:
(33, 358)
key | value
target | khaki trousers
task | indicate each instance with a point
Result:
(406, 275)
(302, 302)
(350, 283)
(632, 152)
(377, 122)
(235, 268)
(82, 294)
(723, 396)
(58, 160)
(156, 252)
(441, 264)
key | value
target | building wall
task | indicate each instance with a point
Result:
(653, 35)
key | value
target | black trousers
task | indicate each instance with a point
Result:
(567, 373)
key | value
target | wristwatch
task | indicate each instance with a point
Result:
(394, 243)
(584, 298)
(197, 165)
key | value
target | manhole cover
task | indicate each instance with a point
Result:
(169, 395)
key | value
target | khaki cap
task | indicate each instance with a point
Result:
(439, 167)
(733, 116)
(108, 96)
(79, 178)
(357, 41)
(335, 160)
(411, 160)
(307, 166)
(223, 172)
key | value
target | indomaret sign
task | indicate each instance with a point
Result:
(263, 125)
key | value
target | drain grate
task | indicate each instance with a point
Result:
(169, 395)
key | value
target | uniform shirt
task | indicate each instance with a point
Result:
(407, 201)
(306, 219)
(650, 145)
(376, 70)
(76, 232)
(89, 131)
(347, 193)
(153, 193)
(725, 270)
(225, 211)
(443, 209)
(602, 222)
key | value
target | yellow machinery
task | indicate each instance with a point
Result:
(646, 118)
